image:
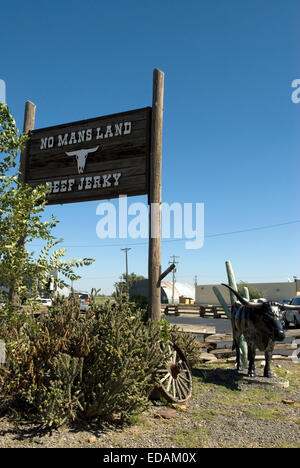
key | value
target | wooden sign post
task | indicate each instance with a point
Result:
(102, 158)
(154, 265)
(29, 119)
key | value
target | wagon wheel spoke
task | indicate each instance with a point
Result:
(183, 378)
(185, 389)
(182, 383)
(179, 392)
(165, 378)
(169, 383)
(176, 378)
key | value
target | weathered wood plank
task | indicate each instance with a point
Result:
(286, 346)
(293, 333)
(209, 357)
(218, 337)
(282, 346)
(67, 168)
(197, 329)
(222, 351)
(188, 312)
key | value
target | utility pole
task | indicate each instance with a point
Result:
(173, 274)
(126, 254)
(154, 198)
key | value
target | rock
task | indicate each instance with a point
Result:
(208, 357)
(182, 407)
(166, 413)
(92, 440)
(284, 384)
(288, 402)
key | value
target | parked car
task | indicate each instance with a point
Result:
(293, 316)
(45, 301)
(84, 300)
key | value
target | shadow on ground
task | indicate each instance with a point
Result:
(228, 378)
(234, 380)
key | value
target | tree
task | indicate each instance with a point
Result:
(254, 293)
(120, 286)
(21, 210)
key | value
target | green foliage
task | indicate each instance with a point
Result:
(21, 213)
(120, 286)
(140, 301)
(254, 293)
(188, 344)
(10, 141)
(102, 364)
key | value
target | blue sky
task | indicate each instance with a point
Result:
(231, 131)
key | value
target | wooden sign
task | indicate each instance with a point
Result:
(91, 159)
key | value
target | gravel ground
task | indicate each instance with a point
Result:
(227, 410)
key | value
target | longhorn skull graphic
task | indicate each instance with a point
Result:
(81, 156)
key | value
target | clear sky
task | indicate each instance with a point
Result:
(231, 130)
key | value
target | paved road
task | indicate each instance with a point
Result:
(222, 325)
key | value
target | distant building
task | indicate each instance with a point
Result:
(278, 292)
(141, 288)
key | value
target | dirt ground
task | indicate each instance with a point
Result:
(227, 410)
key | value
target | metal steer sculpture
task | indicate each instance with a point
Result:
(261, 323)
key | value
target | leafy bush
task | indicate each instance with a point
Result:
(140, 301)
(67, 365)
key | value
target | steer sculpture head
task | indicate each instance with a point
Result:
(271, 314)
(81, 156)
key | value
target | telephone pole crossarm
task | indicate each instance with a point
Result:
(165, 273)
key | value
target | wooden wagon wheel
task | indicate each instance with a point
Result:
(176, 383)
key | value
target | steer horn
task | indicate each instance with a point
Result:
(290, 307)
(256, 305)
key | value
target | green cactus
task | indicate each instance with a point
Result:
(67, 366)
(222, 301)
(246, 294)
(232, 283)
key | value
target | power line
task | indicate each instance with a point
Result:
(240, 231)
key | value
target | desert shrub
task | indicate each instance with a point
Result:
(188, 344)
(66, 365)
(140, 301)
